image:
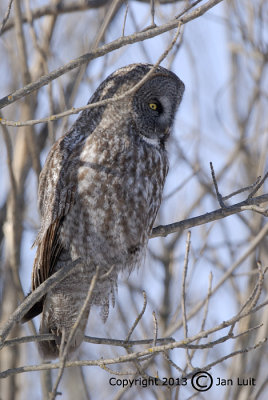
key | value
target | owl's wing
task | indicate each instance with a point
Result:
(57, 190)
(48, 251)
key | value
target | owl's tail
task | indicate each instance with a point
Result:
(60, 313)
(36, 309)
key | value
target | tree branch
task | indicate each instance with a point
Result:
(116, 44)
(76, 6)
(164, 230)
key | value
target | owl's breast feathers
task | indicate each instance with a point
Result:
(119, 186)
(99, 200)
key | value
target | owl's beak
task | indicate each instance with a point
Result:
(167, 131)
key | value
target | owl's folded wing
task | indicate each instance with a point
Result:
(56, 196)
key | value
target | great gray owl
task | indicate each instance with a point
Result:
(99, 193)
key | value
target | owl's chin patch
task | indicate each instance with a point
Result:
(152, 141)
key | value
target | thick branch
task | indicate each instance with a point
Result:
(164, 230)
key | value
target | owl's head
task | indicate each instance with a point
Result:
(149, 109)
(152, 106)
(155, 103)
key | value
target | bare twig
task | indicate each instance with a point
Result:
(174, 365)
(188, 8)
(253, 298)
(5, 19)
(8, 144)
(207, 301)
(116, 44)
(138, 317)
(183, 294)
(230, 355)
(125, 19)
(155, 329)
(152, 13)
(256, 292)
(244, 189)
(258, 186)
(219, 196)
(89, 339)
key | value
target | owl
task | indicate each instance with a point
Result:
(99, 194)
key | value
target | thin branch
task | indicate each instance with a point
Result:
(152, 13)
(258, 186)
(116, 44)
(166, 356)
(254, 328)
(206, 303)
(109, 16)
(230, 334)
(233, 354)
(112, 372)
(219, 196)
(5, 19)
(125, 19)
(188, 8)
(89, 339)
(242, 190)
(8, 144)
(256, 292)
(183, 294)
(253, 298)
(155, 329)
(137, 320)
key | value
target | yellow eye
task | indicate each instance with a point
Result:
(153, 106)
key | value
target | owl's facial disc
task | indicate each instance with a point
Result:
(159, 110)
(154, 106)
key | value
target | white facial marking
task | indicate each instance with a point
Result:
(153, 141)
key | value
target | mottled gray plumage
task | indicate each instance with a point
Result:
(99, 193)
